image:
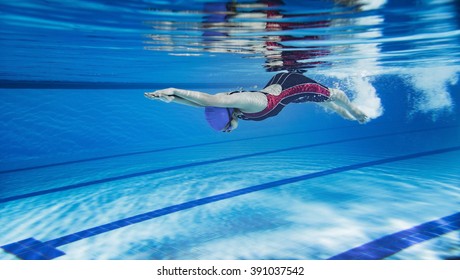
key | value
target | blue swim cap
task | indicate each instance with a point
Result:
(219, 118)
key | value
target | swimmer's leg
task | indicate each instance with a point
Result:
(337, 109)
(339, 98)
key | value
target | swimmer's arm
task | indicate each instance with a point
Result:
(158, 95)
(204, 99)
(188, 96)
(179, 100)
(242, 101)
(221, 100)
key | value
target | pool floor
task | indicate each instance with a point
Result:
(277, 197)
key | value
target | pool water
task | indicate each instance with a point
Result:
(90, 169)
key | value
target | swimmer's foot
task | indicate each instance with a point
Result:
(339, 99)
(364, 119)
(359, 115)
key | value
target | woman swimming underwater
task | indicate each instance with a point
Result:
(224, 109)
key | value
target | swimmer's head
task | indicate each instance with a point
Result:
(221, 119)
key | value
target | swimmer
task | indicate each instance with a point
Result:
(224, 109)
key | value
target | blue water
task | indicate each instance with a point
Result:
(84, 156)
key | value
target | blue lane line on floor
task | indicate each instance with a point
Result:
(207, 200)
(177, 167)
(166, 149)
(32, 249)
(391, 244)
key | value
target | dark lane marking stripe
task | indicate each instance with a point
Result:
(177, 167)
(32, 249)
(167, 149)
(210, 199)
(391, 244)
(72, 85)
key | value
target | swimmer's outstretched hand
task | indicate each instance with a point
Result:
(165, 95)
